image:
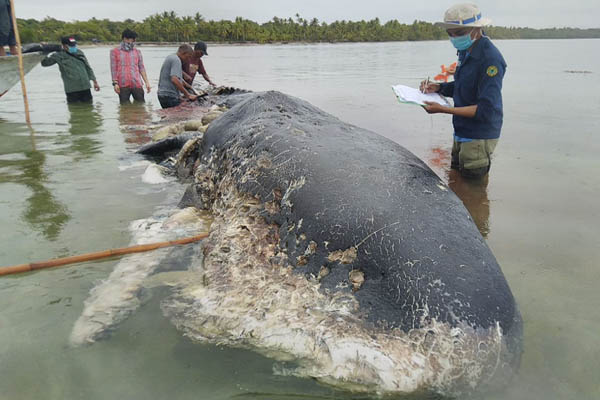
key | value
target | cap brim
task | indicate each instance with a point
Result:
(477, 24)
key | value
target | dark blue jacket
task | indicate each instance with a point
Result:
(478, 81)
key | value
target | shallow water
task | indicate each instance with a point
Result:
(75, 186)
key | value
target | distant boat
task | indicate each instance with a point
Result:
(9, 65)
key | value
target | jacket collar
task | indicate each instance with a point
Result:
(478, 46)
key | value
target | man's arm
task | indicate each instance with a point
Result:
(446, 89)
(489, 91)
(50, 60)
(202, 71)
(188, 79)
(176, 78)
(207, 79)
(179, 85)
(90, 72)
(113, 71)
(466, 112)
(143, 71)
(145, 78)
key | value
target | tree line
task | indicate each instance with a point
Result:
(169, 27)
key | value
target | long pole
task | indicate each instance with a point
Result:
(20, 55)
(57, 262)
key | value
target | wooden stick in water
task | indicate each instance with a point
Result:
(17, 269)
(20, 55)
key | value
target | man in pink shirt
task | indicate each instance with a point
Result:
(195, 65)
(127, 69)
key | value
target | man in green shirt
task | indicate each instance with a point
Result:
(75, 71)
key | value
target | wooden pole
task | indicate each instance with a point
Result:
(20, 55)
(57, 262)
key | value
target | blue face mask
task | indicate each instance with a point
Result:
(462, 42)
(73, 49)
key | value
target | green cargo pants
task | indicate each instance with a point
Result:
(473, 159)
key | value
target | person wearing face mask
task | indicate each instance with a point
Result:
(127, 69)
(476, 90)
(75, 71)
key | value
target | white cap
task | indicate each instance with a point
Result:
(464, 15)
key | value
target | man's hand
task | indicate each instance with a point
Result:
(96, 87)
(192, 97)
(434, 108)
(429, 87)
(148, 88)
(117, 88)
(211, 83)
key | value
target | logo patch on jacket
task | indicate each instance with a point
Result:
(492, 71)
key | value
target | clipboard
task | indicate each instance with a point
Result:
(409, 95)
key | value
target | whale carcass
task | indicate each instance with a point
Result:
(340, 250)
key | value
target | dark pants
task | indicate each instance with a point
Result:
(169, 101)
(83, 96)
(125, 93)
(9, 38)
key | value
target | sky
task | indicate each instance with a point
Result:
(518, 13)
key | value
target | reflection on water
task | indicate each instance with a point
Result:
(474, 196)
(472, 192)
(85, 121)
(134, 119)
(42, 211)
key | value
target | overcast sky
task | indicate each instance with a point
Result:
(521, 13)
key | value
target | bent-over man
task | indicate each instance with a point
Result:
(196, 65)
(171, 85)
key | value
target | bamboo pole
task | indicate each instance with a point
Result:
(57, 262)
(20, 55)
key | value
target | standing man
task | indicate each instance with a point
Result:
(75, 71)
(7, 32)
(127, 69)
(171, 83)
(195, 65)
(476, 90)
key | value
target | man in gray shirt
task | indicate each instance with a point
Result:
(170, 82)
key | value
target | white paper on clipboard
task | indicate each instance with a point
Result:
(406, 94)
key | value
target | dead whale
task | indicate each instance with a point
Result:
(340, 250)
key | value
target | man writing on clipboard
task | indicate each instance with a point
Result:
(476, 90)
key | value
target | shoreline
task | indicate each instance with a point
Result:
(290, 43)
